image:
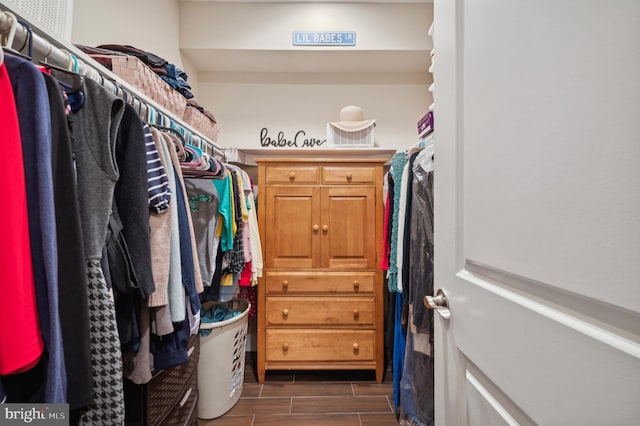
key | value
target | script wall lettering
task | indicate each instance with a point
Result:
(280, 141)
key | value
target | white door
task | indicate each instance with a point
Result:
(537, 211)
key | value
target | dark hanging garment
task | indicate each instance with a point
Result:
(72, 277)
(417, 384)
(128, 238)
(132, 197)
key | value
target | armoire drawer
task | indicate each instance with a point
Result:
(314, 345)
(348, 174)
(292, 174)
(320, 282)
(319, 311)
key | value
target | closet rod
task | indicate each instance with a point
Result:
(50, 48)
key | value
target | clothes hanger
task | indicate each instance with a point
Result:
(151, 115)
(28, 40)
(7, 38)
(170, 130)
(76, 80)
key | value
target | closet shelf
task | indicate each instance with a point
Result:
(248, 156)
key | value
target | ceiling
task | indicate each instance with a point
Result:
(310, 1)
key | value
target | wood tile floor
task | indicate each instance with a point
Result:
(306, 398)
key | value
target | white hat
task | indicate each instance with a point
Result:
(352, 119)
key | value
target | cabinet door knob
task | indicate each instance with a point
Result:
(285, 313)
(349, 176)
(285, 346)
(325, 228)
(356, 285)
(292, 176)
(285, 284)
(356, 347)
(356, 314)
(316, 228)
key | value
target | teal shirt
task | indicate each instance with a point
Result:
(398, 162)
(223, 186)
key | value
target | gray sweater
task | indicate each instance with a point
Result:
(95, 128)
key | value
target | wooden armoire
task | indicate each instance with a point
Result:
(320, 301)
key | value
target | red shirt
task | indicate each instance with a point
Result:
(21, 341)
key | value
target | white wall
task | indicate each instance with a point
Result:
(379, 26)
(252, 77)
(151, 25)
(245, 103)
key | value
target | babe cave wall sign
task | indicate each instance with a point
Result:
(281, 140)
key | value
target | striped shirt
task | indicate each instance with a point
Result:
(159, 191)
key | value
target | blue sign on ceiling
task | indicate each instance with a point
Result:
(324, 38)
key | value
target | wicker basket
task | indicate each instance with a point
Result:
(138, 74)
(201, 122)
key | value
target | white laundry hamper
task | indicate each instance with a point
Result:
(221, 362)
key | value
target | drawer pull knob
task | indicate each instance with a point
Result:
(356, 347)
(325, 228)
(285, 346)
(316, 228)
(292, 176)
(185, 398)
(356, 285)
(356, 314)
(285, 285)
(349, 176)
(285, 313)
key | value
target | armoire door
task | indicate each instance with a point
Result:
(292, 229)
(348, 227)
(537, 212)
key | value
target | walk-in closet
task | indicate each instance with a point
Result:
(296, 212)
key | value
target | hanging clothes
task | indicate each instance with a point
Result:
(417, 383)
(412, 324)
(101, 265)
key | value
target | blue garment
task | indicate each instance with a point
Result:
(399, 347)
(186, 255)
(171, 350)
(34, 116)
(177, 79)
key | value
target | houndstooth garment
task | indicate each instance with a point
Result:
(108, 403)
